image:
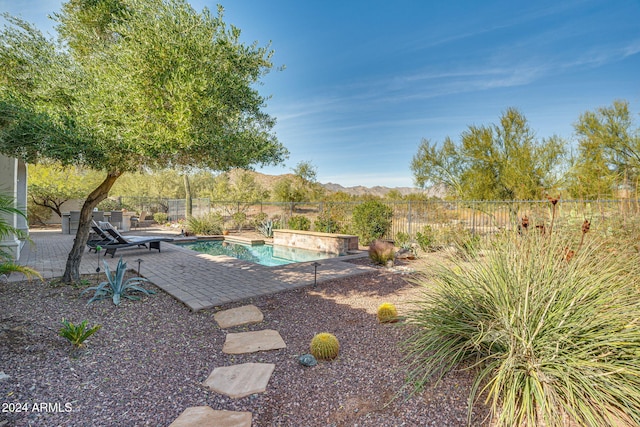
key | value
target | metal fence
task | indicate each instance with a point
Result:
(409, 217)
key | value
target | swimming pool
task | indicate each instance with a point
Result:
(267, 255)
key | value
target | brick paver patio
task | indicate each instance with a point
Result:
(200, 281)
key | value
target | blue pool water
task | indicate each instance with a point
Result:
(258, 254)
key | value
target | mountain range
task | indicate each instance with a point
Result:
(269, 181)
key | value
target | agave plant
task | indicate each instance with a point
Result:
(116, 287)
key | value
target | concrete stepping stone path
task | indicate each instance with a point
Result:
(204, 416)
(238, 316)
(251, 342)
(238, 381)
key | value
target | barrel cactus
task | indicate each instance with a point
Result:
(325, 346)
(387, 313)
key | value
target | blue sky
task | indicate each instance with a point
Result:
(365, 81)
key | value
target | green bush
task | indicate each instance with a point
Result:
(160, 217)
(299, 222)
(206, 225)
(239, 219)
(402, 239)
(553, 341)
(426, 239)
(259, 219)
(327, 223)
(371, 220)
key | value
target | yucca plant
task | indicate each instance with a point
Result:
(551, 341)
(116, 287)
(77, 334)
(266, 227)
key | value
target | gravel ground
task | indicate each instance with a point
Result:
(149, 360)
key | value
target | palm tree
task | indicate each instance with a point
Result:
(6, 229)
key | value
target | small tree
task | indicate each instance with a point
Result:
(503, 161)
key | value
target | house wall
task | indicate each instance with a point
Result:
(13, 183)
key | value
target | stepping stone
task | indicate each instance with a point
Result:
(240, 380)
(204, 416)
(250, 342)
(238, 316)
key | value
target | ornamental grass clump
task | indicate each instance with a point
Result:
(381, 252)
(551, 342)
(206, 225)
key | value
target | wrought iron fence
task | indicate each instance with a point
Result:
(481, 218)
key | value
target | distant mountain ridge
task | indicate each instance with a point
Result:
(269, 181)
(360, 190)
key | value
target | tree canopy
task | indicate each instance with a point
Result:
(135, 84)
(497, 162)
(608, 152)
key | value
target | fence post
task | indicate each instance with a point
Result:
(409, 218)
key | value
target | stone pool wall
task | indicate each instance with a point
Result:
(339, 244)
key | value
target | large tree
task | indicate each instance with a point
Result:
(608, 151)
(137, 84)
(502, 161)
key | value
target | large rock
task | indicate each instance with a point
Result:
(204, 416)
(238, 316)
(250, 342)
(240, 380)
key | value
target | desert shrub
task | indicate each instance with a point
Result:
(114, 205)
(552, 340)
(299, 222)
(402, 239)
(160, 217)
(258, 219)
(426, 239)
(324, 346)
(380, 252)
(327, 223)
(371, 220)
(206, 225)
(239, 219)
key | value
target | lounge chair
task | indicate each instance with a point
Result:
(100, 238)
(121, 242)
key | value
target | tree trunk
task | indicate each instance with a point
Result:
(188, 198)
(72, 270)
